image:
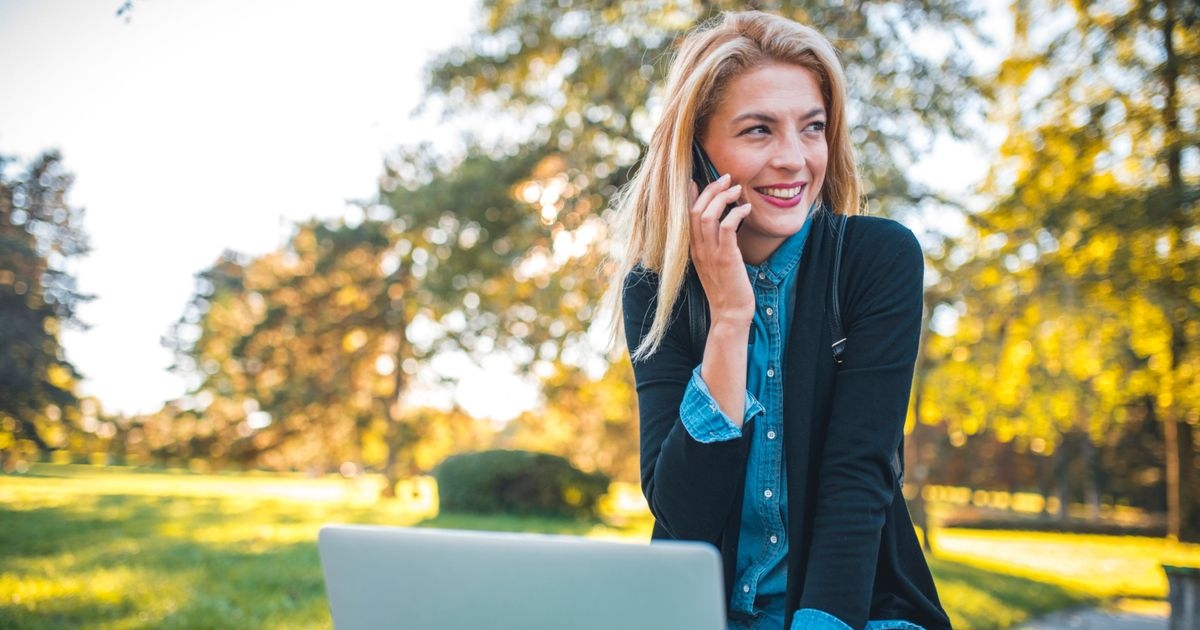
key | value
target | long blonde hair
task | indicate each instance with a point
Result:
(652, 209)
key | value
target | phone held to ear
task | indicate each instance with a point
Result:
(704, 173)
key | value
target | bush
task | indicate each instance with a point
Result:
(517, 482)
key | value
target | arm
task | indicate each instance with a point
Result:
(869, 405)
(689, 485)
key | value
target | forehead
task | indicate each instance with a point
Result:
(775, 88)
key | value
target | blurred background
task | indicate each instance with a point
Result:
(331, 245)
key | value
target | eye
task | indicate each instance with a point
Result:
(755, 130)
(817, 126)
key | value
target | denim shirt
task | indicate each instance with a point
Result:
(761, 569)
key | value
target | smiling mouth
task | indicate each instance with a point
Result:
(782, 193)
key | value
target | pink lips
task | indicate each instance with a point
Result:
(795, 189)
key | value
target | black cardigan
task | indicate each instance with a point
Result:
(853, 551)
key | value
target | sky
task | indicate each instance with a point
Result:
(197, 126)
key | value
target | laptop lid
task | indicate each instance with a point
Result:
(414, 578)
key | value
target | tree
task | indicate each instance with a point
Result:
(40, 235)
(1083, 302)
(308, 355)
(585, 419)
(580, 77)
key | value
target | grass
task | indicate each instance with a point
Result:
(1102, 567)
(119, 548)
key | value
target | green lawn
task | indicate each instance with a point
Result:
(116, 548)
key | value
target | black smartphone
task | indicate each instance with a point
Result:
(704, 173)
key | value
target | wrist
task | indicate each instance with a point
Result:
(729, 329)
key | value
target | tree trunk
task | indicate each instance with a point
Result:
(917, 470)
(1189, 485)
(1045, 482)
(1171, 451)
(1183, 487)
(396, 438)
(1091, 489)
(28, 430)
(1062, 477)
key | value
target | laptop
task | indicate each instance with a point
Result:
(417, 578)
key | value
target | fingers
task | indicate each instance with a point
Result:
(709, 205)
(716, 196)
(733, 220)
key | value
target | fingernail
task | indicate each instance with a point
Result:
(725, 177)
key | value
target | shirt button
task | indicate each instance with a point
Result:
(745, 588)
(770, 435)
(762, 276)
(774, 539)
(770, 372)
(770, 311)
(768, 493)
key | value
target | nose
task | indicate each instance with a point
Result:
(789, 153)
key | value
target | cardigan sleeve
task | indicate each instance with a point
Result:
(690, 486)
(856, 483)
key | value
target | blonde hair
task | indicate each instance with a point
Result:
(653, 207)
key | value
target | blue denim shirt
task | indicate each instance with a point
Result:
(761, 569)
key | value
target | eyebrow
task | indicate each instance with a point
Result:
(761, 117)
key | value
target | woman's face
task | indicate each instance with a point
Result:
(768, 133)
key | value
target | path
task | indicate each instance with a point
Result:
(1152, 618)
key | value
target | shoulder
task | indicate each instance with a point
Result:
(882, 255)
(639, 296)
(640, 284)
(876, 240)
(878, 233)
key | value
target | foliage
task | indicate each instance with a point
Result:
(581, 76)
(517, 482)
(578, 79)
(590, 421)
(325, 338)
(40, 235)
(1072, 305)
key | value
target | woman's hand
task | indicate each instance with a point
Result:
(718, 262)
(716, 255)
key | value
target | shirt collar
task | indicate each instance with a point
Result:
(784, 259)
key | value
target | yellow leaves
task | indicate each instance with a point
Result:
(1150, 331)
(1100, 250)
(355, 339)
(1062, 406)
(989, 277)
(60, 377)
(349, 296)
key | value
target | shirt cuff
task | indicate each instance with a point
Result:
(703, 418)
(813, 619)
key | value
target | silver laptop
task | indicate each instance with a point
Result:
(412, 578)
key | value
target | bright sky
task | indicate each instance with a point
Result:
(199, 126)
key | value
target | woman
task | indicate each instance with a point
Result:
(756, 439)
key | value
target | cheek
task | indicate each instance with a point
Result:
(820, 163)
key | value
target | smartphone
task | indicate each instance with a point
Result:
(704, 173)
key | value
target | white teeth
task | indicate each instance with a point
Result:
(782, 193)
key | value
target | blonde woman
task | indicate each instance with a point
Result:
(754, 437)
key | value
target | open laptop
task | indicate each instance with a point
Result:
(413, 578)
